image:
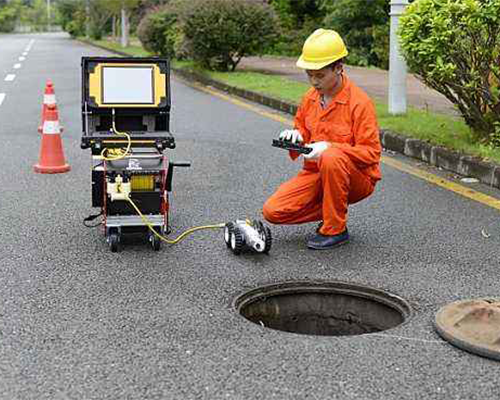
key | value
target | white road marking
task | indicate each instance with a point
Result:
(28, 48)
(17, 66)
(2, 96)
(22, 58)
(10, 77)
(25, 53)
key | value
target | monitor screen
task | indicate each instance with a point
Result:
(127, 85)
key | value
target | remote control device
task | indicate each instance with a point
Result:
(286, 144)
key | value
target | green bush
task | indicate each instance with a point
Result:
(380, 47)
(95, 31)
(76, 27)
(219, 33)
(159, 31)
(143, 8)
(8, 16)
(454, 46)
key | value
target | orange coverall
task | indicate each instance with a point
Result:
(345, 173)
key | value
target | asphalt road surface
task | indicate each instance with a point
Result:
(79, 322)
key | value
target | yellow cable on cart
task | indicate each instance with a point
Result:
(118, 153)
(121, 153)
(181, 236)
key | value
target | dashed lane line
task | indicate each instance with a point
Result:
(28, 47)
(2, 97)
(17, 66)
(10, 77)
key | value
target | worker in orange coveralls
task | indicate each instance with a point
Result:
(337, 120)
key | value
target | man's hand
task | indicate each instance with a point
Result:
(291, 135)
(317, 149)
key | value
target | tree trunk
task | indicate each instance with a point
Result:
(113, 24)
(125, 28)
(87, 18)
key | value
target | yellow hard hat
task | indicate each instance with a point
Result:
(322, 48)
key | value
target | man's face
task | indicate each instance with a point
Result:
(325, 80)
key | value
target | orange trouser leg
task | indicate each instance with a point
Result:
(343, 184)
(323, 194)
(296, 201)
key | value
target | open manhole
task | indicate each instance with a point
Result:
(323, 308)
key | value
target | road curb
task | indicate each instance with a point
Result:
(90, 43)
(437, 156)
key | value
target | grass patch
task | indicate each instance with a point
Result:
(435, 128)
(272, 85)
(135, 50)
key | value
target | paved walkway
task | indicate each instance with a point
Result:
(374, 81)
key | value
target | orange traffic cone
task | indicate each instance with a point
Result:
(49, 97)
(51, 159)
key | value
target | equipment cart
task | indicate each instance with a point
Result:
(126, 118)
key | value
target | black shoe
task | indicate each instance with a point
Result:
(321, 242)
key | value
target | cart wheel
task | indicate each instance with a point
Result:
(155, 242)
(114, 242)
(228, 230)
(237, 240)
(268, 239)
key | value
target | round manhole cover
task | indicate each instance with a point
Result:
(472, 325)
(323, 308)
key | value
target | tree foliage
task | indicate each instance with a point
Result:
(74, 19)
(71, 16)
(364, 26)
(454, 46)
(9, 14)
(294, 13)
(37, 15)
(297, 20)
(143, 8)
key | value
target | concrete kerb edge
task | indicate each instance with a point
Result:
(120, 53)
(458, 163)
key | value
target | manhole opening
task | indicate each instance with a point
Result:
(327, 309)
